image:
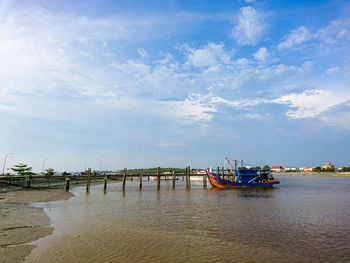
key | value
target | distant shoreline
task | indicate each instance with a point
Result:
(335, 174)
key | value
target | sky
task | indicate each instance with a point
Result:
(170, 83)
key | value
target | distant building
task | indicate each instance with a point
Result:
(277, 169)
(307, 169)
(328, 165)
(291, 169)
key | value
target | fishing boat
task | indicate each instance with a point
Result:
(241, 177)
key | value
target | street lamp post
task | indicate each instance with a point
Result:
(42, 170)
(3, 169)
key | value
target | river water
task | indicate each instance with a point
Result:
(304, 219)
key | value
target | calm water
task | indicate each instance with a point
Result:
(305, 219)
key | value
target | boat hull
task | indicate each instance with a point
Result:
(219, 182)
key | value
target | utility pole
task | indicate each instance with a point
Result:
(3, 169)
(42, 170)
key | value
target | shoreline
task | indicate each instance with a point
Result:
(21, 223)
(346, 174)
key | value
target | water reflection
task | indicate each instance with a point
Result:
(303, 220)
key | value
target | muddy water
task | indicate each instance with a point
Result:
(305, 219)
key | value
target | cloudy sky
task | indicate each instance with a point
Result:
(174, 83)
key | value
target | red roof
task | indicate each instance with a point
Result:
(277, 167)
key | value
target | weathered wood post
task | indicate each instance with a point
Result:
(141, 175)
(174, 179)
(67, 183)
(158, 178)
(28, 181)
(105, 183)
(88, 180)
(124, 178)
(188, 178)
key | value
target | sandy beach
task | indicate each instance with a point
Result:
(21, 223)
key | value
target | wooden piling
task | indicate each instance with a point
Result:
(141, 176)
(124, 178)
(174, 178)
(105, 183)
(158, 178)
(88, 180)
(188, 177)
(67, 183)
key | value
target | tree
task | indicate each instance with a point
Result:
(317, 169)
(328, 170)
(50, 171)
(266, 167)
(22, 169)
(345, 169)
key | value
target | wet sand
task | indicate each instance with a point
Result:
(21, 223)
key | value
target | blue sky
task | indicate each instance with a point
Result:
(174, 83)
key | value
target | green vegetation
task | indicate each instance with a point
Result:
(317, 169)
(328, 170)
(50, 171)
(22, 169)
(345, 169)
(266, 167)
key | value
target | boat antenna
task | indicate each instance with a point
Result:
(228, 161)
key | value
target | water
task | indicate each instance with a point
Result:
(304, 219)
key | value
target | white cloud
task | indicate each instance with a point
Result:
(262, 54)
(143, 53)
(336, 30)
(333, 70)
(311, 103)
(249, 28)
(210, 55)
(339, 120)
(196, 108)
(295, 37)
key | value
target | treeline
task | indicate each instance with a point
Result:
(345, 169)
(330, 170)
(319, 169)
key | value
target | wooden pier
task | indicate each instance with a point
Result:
(44, 181)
